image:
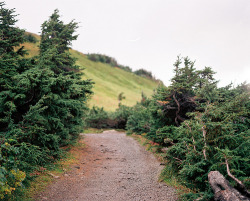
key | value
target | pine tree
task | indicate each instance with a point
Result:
(68, 93)
(11, 63)
(205, 128)
(42, 100)
(56, 39)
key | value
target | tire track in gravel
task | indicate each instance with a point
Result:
(112, 167)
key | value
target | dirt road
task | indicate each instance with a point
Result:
(113, 167)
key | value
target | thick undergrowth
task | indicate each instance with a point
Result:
(202, 128)
(42, 100)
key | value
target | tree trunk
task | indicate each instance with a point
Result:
(223, 191)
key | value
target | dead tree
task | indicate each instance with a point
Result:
(223, 191)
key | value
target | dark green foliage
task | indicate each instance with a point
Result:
(42, 101)
(202, 125)
(144, 73)
(57, 34)
(166, 135)
(107, 60)
(103, 59)
(30, 38)
(56, 39)
(99, 118)
(11, 177)
(11, 38)
(139, 120)
(112, 62)
(204, 142)
(120, 116)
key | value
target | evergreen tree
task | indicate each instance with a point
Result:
(11, 63)
(120, 98)
(204, 128)
(42, 100)
(188, 90)
(56, 39)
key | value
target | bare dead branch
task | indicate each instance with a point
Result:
(191, 134)
(223, 191)
(230, 175)
(177, 112)
(204, 132)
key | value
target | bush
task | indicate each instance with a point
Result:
(166, 135)
(144, 73)
(11, 177)
(120, 116)
(202, 126)
(107, 60)
(97, 118)
(139, 120)
(30, 38)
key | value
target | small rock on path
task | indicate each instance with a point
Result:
(112, 167)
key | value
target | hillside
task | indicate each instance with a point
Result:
(109, 81)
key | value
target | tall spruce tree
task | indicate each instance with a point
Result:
(68, 93)
(11, 64)
(56, 39)
(188, 90)
(42, 100)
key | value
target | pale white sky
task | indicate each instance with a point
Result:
(150, 34)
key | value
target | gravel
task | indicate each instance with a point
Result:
(112, 167)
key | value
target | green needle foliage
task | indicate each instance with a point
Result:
(201, 125)
(42, 99)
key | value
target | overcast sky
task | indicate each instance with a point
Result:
(150, 34)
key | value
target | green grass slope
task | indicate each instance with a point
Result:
(109, 81)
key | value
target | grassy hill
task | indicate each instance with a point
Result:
(109, 81)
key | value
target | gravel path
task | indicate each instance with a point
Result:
(113, 167)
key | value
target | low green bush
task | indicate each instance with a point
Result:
(202, 126)
(30, 38)
(139, 120)
(120, 116)
(11, 177)
(97, 118)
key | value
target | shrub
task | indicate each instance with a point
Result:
(42, 100)
(203, 127)
(144, 73)
(97, 118)
(30, 38)
(139, 120)
(10, 176)
(107, 60)
(120, 116)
